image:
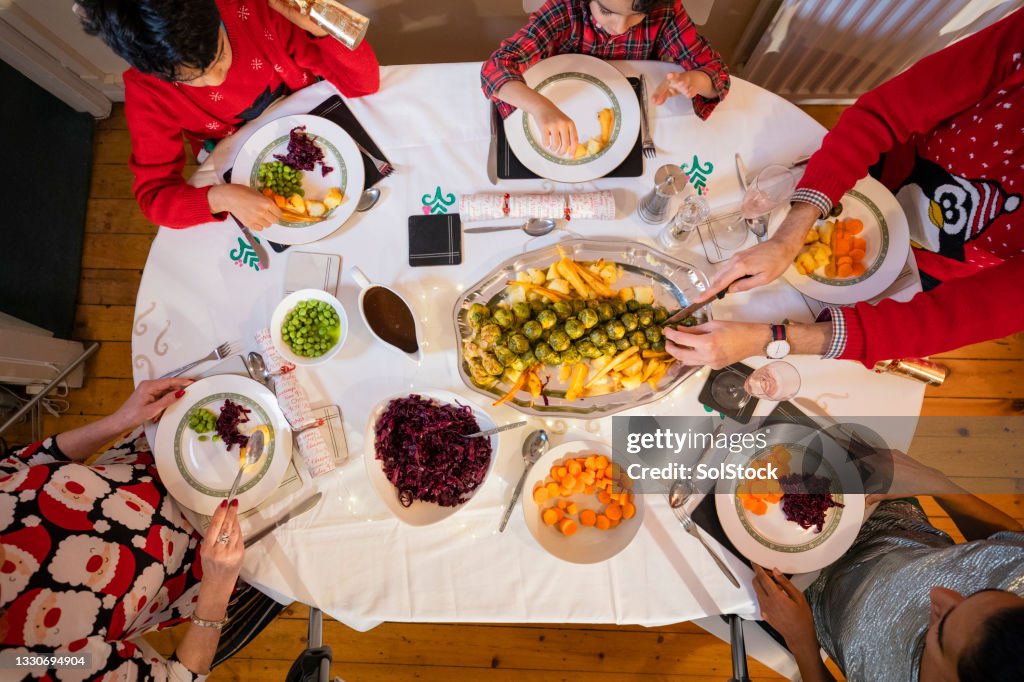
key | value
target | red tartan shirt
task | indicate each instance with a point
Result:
(567, 27)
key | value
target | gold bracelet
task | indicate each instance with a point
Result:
(215, 624)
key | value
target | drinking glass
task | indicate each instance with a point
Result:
(776, 381)
(772, 187)
(691, 213)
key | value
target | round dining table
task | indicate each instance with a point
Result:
(350, 556)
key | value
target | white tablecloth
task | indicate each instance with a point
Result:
(350, 557)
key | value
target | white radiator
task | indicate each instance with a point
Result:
(835, 50)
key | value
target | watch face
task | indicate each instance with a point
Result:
(777, 349)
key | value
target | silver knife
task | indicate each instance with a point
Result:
(498, 429)
(681, 315)
(492, 154)
(298, 510)
(261, 253)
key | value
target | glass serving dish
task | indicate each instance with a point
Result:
(675, 284)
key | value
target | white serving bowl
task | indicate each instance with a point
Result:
(287, 305)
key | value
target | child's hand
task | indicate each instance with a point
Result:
(558, 132)
(689, 84)
(254, 210)
(293, 15)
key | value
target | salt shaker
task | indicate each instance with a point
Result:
(668, 181)
(343, 23)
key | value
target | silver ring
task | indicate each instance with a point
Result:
(224, 538)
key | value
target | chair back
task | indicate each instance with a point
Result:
(699, 10)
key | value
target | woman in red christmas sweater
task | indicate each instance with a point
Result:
(946, 136)
(204, 68)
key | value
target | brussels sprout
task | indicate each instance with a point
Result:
(615, 330)
(478, 314)
(587, 349)
(691, 321)
(491, 364)
(637, 338)
(503, 317)
(479, 374)
(574, 328)
(609, 349)
(518, 364)
(563, 309)
(622, 344)
(489, 333)
(598, 337)
(660, 314)
(658, 346)
(518, 343)
(653, 334)
(472, 349)
(537, 306)
(578, 306)
(522, 311)
(528, 358)
(547, 319)
(605, 311)
(541, 351)
(645, 316)
(632, 305)
(559, 340)
(571, 356)
(504, 355)
(593, 304)
(630, 321)
(619, 307)
(645, 345)
(588, 317)
(553, 359)
(532, 330)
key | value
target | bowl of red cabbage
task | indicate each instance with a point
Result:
(417, 456)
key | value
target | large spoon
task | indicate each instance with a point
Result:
(534, 447)
(535, 227)
(677, 495)
(249, 455)
(367, 200)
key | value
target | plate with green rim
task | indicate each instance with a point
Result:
(340, 154)
(198, 468)
(772, 540)
(580, 86)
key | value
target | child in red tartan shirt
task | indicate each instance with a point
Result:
(204, 68)
(608, 29)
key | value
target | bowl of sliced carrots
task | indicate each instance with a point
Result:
(579, 503)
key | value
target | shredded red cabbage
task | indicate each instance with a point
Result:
(303, 152)
(231, 415)
(806, 498)
(425, 456)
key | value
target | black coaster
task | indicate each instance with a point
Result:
(510, 168)
(705, 398)
(435, 240)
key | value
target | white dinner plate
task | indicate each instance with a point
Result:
(888, 245)
(197, 470)
(588, 545)
(580, 86)
(772, 540)
(419, 513)
(340, 153)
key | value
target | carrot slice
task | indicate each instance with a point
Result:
(568, 527)
(603, 522)
(550, 516)
(857, 255)
(588, 517)
(844, 270)
(613, 511)
(859, 243)
(574, 468)
(562, 504)
(603, 497)
(540, 495)
(601, 461)
(858, 269)
(854, 226)
(628, 510)
(569, 481)
(552, 489)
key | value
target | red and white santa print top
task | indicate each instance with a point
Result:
(90, 558)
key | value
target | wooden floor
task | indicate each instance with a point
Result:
(986, 379)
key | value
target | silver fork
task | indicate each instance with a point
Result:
(383, 167)
(219, 353)
(690, 527)
(645, 125)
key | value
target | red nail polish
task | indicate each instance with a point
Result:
(223, 503)
(234, 502)
(179, 393)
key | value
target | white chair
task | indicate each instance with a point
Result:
(699, 10)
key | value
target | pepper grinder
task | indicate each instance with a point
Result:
(668, 181)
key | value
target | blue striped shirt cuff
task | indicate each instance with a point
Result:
(820, 201)
(838, 345)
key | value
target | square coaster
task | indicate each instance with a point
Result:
(435, 240)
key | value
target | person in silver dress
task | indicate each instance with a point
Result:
(906, 603)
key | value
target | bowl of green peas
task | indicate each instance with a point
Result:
(309, 326)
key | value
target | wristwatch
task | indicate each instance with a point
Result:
(778, 347)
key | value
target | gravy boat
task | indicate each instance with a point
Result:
(366, 285)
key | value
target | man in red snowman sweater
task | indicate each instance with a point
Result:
(947, 138)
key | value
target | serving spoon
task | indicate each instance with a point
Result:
(535, 227)
(534, 447)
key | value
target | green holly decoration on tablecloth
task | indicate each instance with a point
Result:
(245, 255)
(711, 409)
(698, 174)
(439, 202)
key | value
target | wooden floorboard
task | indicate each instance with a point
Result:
(985, 379)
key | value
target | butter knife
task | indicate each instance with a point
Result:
(298, 510)
(492, 153)
(257, 247)
(497, 429)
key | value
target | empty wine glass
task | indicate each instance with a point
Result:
(776, 381)
(691, 213)
(772, 187)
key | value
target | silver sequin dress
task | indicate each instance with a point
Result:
(871, 607)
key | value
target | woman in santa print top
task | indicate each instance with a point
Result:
(947, 137)
(93, 556)
(204, 68)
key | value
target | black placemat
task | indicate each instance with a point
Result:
(742, 415)
(435, 240)
(511, 168)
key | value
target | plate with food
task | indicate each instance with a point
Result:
(201, 437)
(308, 327)
(312, 170)
(803, 519)
(579, 505)
(857, 252)
(575, 329)
(600, 102)
(417, 458)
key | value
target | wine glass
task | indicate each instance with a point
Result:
(776, 381)
(691, 213)
(772, 187)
